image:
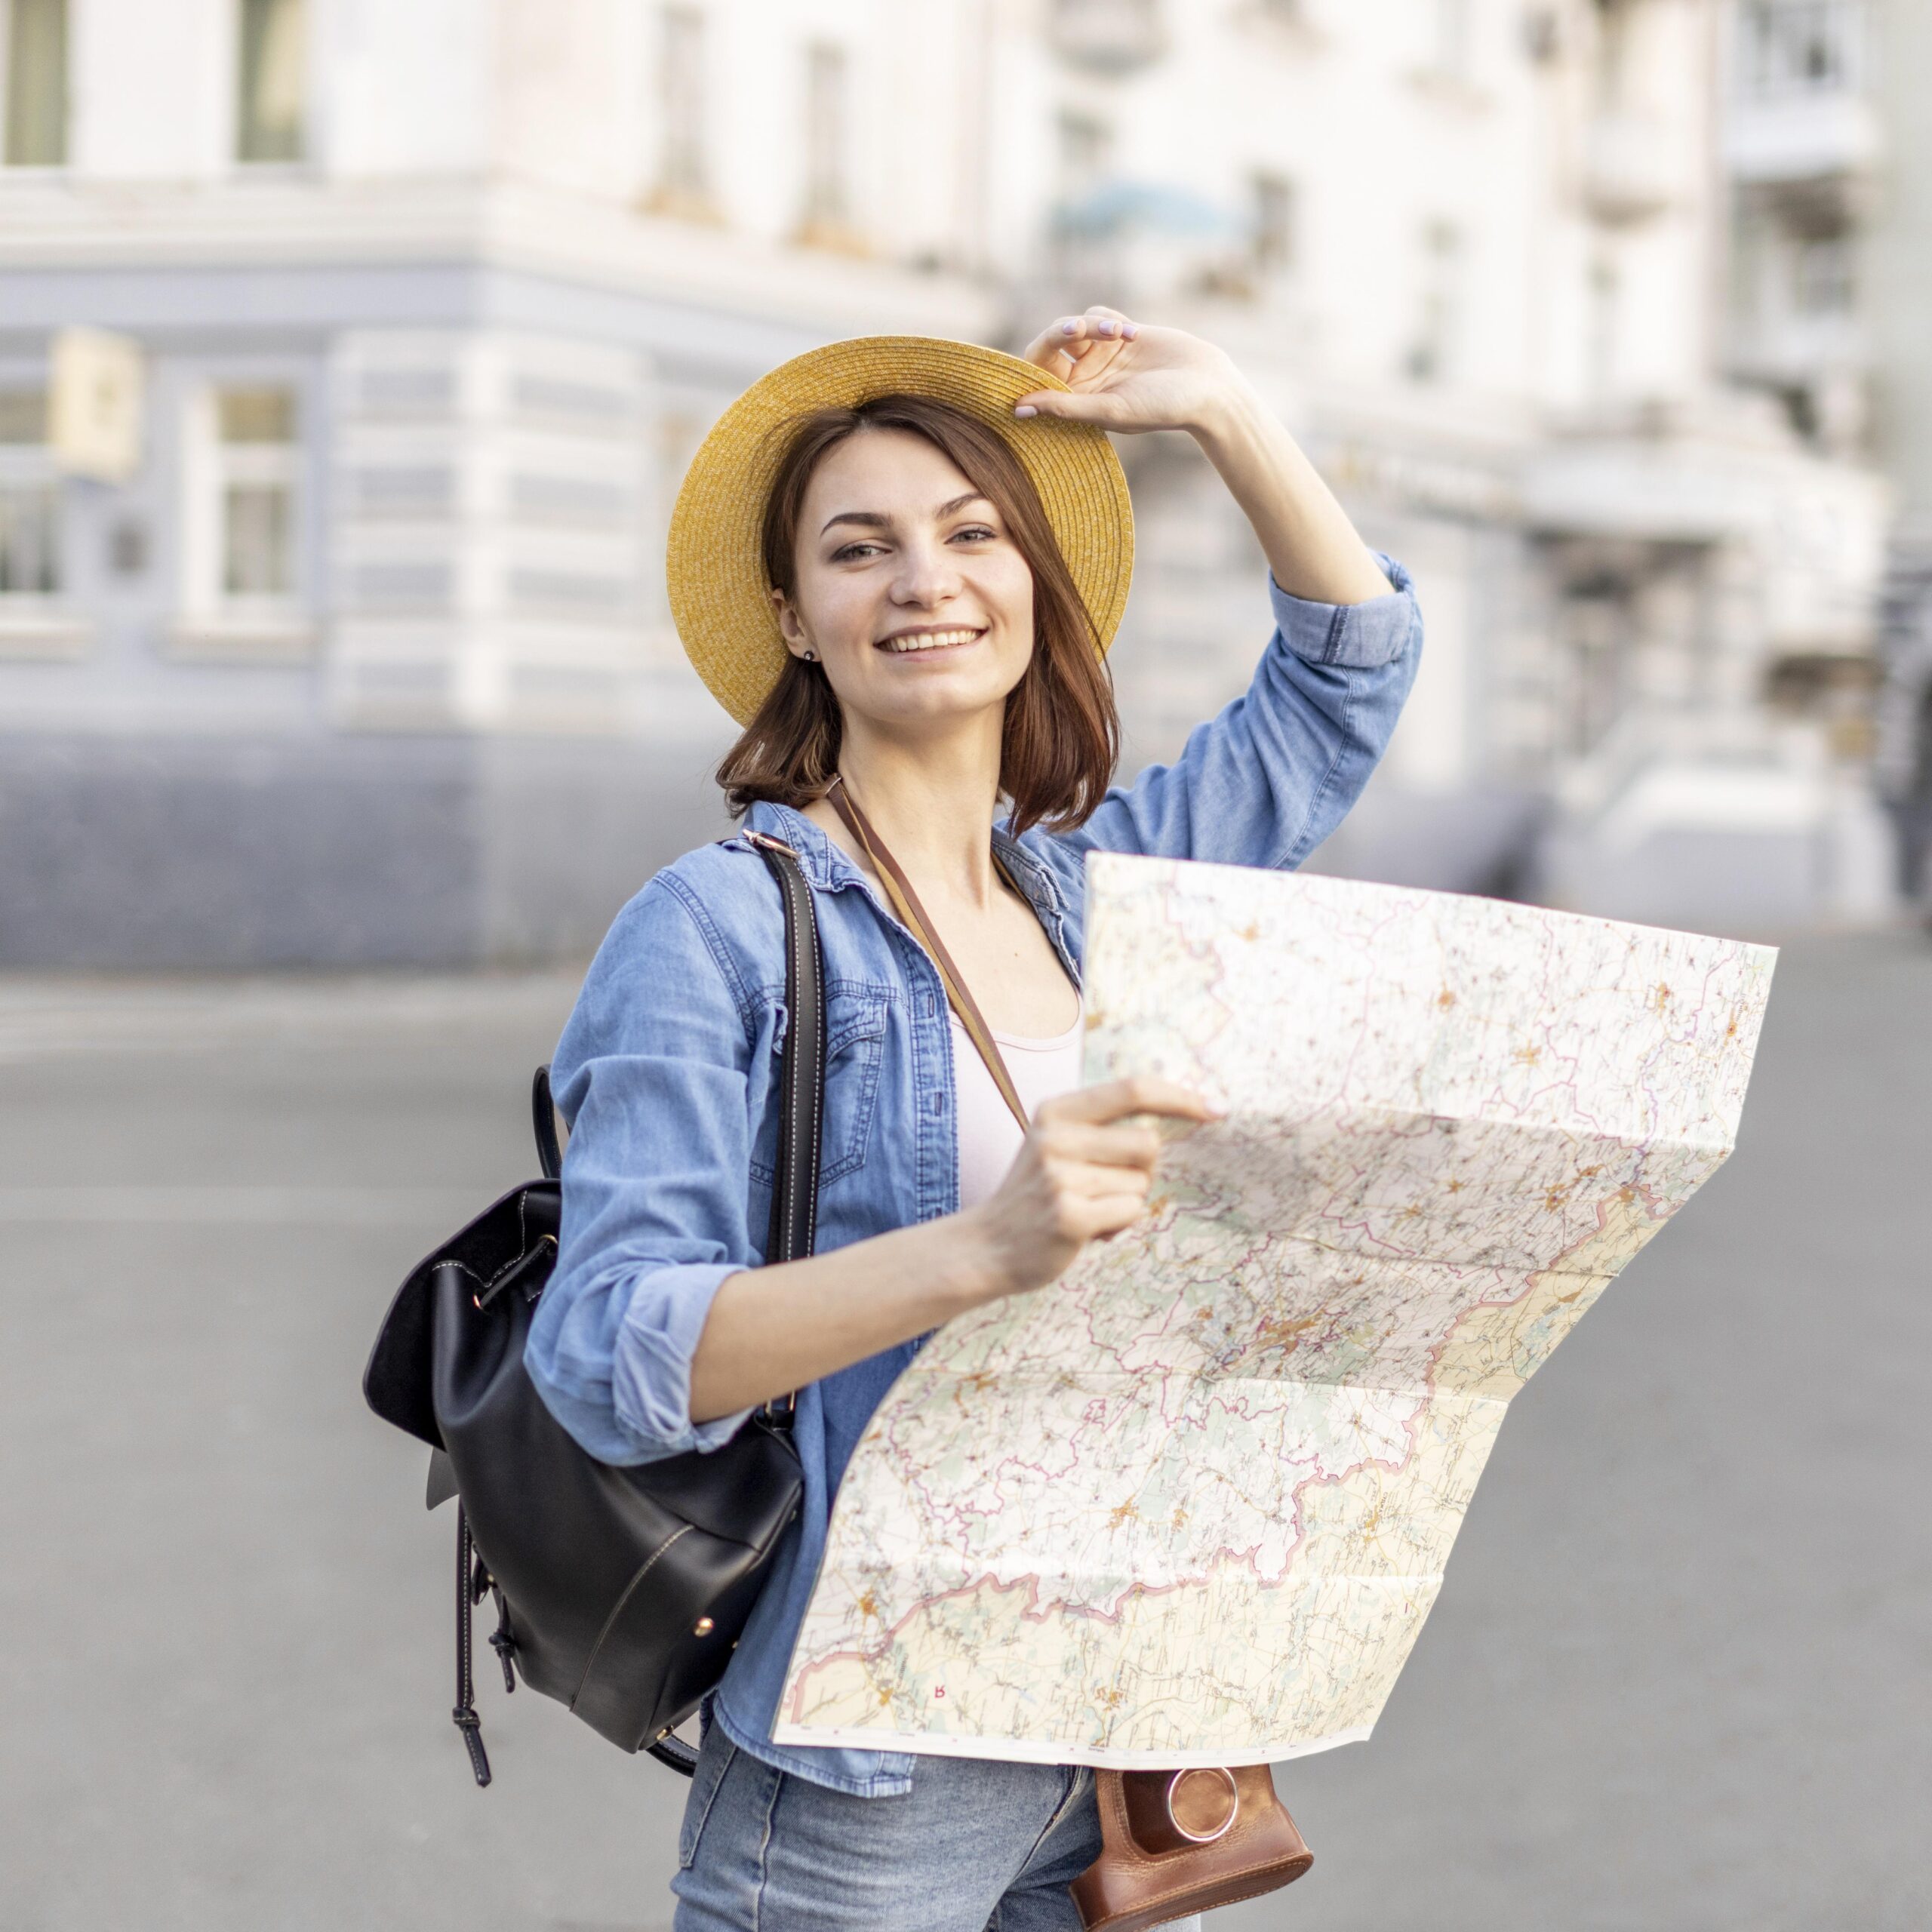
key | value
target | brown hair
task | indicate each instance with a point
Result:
(1061, 734)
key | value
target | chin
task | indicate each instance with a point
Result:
(926, 709)
(959, 692)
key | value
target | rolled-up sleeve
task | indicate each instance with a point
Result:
(651, 1075)
(1267, 780)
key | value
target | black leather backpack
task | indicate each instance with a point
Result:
(619, 1591)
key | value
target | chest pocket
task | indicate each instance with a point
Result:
(855, 1026)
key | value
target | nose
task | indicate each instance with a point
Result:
(927, 574)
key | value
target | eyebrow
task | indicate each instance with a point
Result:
(877, 520)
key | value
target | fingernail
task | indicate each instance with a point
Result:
(1104, 328)
(1129, 329)
(1024, 409)
(1067, 328)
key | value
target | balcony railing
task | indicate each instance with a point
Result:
(1803, 137)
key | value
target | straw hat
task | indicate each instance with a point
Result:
(714, 566)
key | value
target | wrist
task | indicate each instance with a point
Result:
(973, 1260)
(1230, 417)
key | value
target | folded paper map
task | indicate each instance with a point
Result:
(1191, 1503)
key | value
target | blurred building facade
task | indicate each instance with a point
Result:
(1897, 265)
(362, 654)
(1830, 316)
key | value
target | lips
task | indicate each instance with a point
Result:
(906, 643)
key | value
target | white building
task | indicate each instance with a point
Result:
(366, 656)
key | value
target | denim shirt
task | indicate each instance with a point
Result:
(666, 1075)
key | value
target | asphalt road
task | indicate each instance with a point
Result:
(1680, 1676)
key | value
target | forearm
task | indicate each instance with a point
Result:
(771, 1329)
(1310, 546)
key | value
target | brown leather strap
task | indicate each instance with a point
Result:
(912, 916)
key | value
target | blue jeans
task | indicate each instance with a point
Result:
(974, 1846)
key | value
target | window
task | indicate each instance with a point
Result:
(22, 418)
(36, 77)
(256, 464)
(271, 80)
(1432, 349)
(1086, 157)
(1824, 275)
(827, 205)
(1087, 220)
(29, 499)
(241, 579)
(1801, 46)
(683, 180)
(1272, 236)
(1595, 623)
(29, 539)
(1613, 74)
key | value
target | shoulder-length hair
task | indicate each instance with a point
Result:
(1062, 732)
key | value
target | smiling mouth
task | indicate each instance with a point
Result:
(902, 643)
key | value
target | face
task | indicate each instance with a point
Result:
(910, 588)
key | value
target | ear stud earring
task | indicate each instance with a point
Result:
(810, 657)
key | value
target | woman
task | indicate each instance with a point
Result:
(941, 594)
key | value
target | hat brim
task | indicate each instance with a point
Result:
(714, 566)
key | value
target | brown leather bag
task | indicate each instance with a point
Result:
(1175, 1842)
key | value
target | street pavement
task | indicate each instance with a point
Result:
(1681, 1675)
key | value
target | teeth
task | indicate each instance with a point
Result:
(931, 641)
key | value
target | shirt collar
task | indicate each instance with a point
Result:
(824, 865)
(827, 866)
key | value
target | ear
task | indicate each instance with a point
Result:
(789, 628)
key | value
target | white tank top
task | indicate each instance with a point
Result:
(989, 1136)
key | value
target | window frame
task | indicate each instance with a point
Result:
(212, 621)
(682, 164)
(29, 469)
(40, 624)
(1433, 358)
(304, 156)
(8, 165)
(1274, 247)
(826, 146)
(1766, 29)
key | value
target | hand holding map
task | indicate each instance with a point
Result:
(1191, 1502)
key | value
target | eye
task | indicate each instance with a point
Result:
(977, 533)
(853, 553)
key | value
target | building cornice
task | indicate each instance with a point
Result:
(53, 222)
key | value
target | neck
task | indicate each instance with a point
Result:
(931, 800)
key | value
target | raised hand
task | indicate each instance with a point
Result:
(1128, 376)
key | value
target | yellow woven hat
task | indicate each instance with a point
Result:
(714, 564)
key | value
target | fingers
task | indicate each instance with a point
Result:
(1111, 1217)
(1143, 1094)
(1072, 1179)
(1129, 1145)
(1101, 322)
(1070, 338)
(1071, 404)
(1094, 1202)
(1079, 349)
